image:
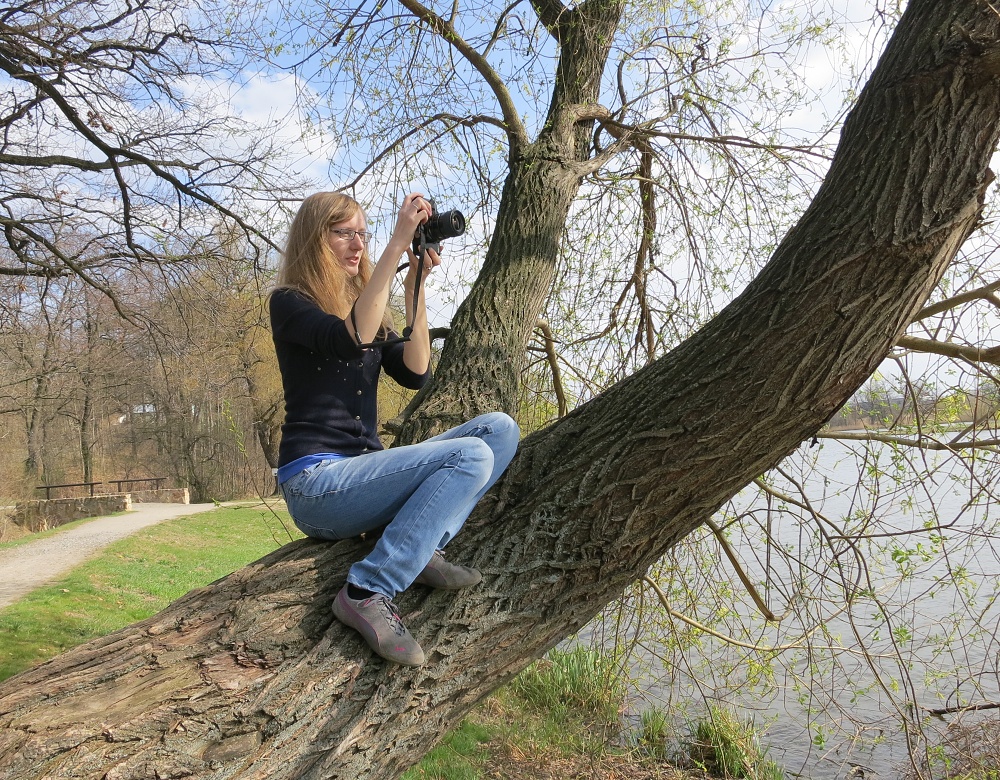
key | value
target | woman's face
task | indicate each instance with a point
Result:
(347, 242)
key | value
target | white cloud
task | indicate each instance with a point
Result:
(268, 107)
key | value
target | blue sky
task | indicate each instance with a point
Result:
(273, 98)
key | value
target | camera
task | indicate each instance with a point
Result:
(437, 228)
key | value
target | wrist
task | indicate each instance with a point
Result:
(410, 280)
(400, 241)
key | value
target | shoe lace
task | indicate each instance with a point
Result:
(391, 612)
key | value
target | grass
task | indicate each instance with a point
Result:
(581, 679)
(459, 756)
(654, 732)
(131, 580)
(723, 745)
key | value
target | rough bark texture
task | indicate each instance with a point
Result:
(251, 677)
(482, 360)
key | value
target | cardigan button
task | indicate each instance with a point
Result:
(359, 392)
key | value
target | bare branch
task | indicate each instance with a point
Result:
(516, 132)
(553, 361)
(922, 442)
(950, 349)
(980, 293)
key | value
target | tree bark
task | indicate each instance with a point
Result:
(252, 678)
(480, 367)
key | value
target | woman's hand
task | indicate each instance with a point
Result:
(369, 308)
(416, 210)
(431, 261)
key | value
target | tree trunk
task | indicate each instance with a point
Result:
(87, 436)
(480, 367)
(252, 678)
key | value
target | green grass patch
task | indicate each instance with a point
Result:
(568, 702)
(457, 757)
(134, 578)
(582, 679)
(725, 746)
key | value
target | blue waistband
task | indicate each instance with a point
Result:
(289, 470)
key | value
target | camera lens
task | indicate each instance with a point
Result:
(448, 224)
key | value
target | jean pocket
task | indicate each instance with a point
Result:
(294, 484)
(316, 532)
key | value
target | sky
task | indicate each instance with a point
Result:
(271, 99)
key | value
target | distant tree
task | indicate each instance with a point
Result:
(35, 351)
(121, 155)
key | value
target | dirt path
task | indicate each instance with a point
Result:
(28, 565)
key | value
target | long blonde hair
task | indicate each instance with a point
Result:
(309, 266)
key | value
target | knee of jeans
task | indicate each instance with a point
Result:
(508, 435)
(501, 423)
(477, 454)
(513, 428)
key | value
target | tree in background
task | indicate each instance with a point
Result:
(117, 132)
(122, 155)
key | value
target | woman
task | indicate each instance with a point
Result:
(329, 321)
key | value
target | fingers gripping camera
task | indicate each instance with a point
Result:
(436, 229)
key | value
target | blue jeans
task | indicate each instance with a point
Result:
(423, 491)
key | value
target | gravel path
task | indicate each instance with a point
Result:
(26, 566)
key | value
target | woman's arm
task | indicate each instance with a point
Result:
(369, 309)
(417, 351)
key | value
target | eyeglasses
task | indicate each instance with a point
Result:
(348, 235)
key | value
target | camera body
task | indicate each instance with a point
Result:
(436, 229)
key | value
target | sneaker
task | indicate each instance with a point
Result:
(377, 619)
(443, 575)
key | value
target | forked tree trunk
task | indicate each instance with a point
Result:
(480, 367)
(252, 678)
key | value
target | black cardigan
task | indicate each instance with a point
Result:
(330, 383)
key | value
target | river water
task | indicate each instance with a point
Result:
(890, 585)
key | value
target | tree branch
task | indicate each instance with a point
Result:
(730, 640)
(118, 156)
(922, 442)
(553, 361)
(981, 293)
(978, 707)
(550, 13)
(517, 133)
(950, 349)
(57, 160)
